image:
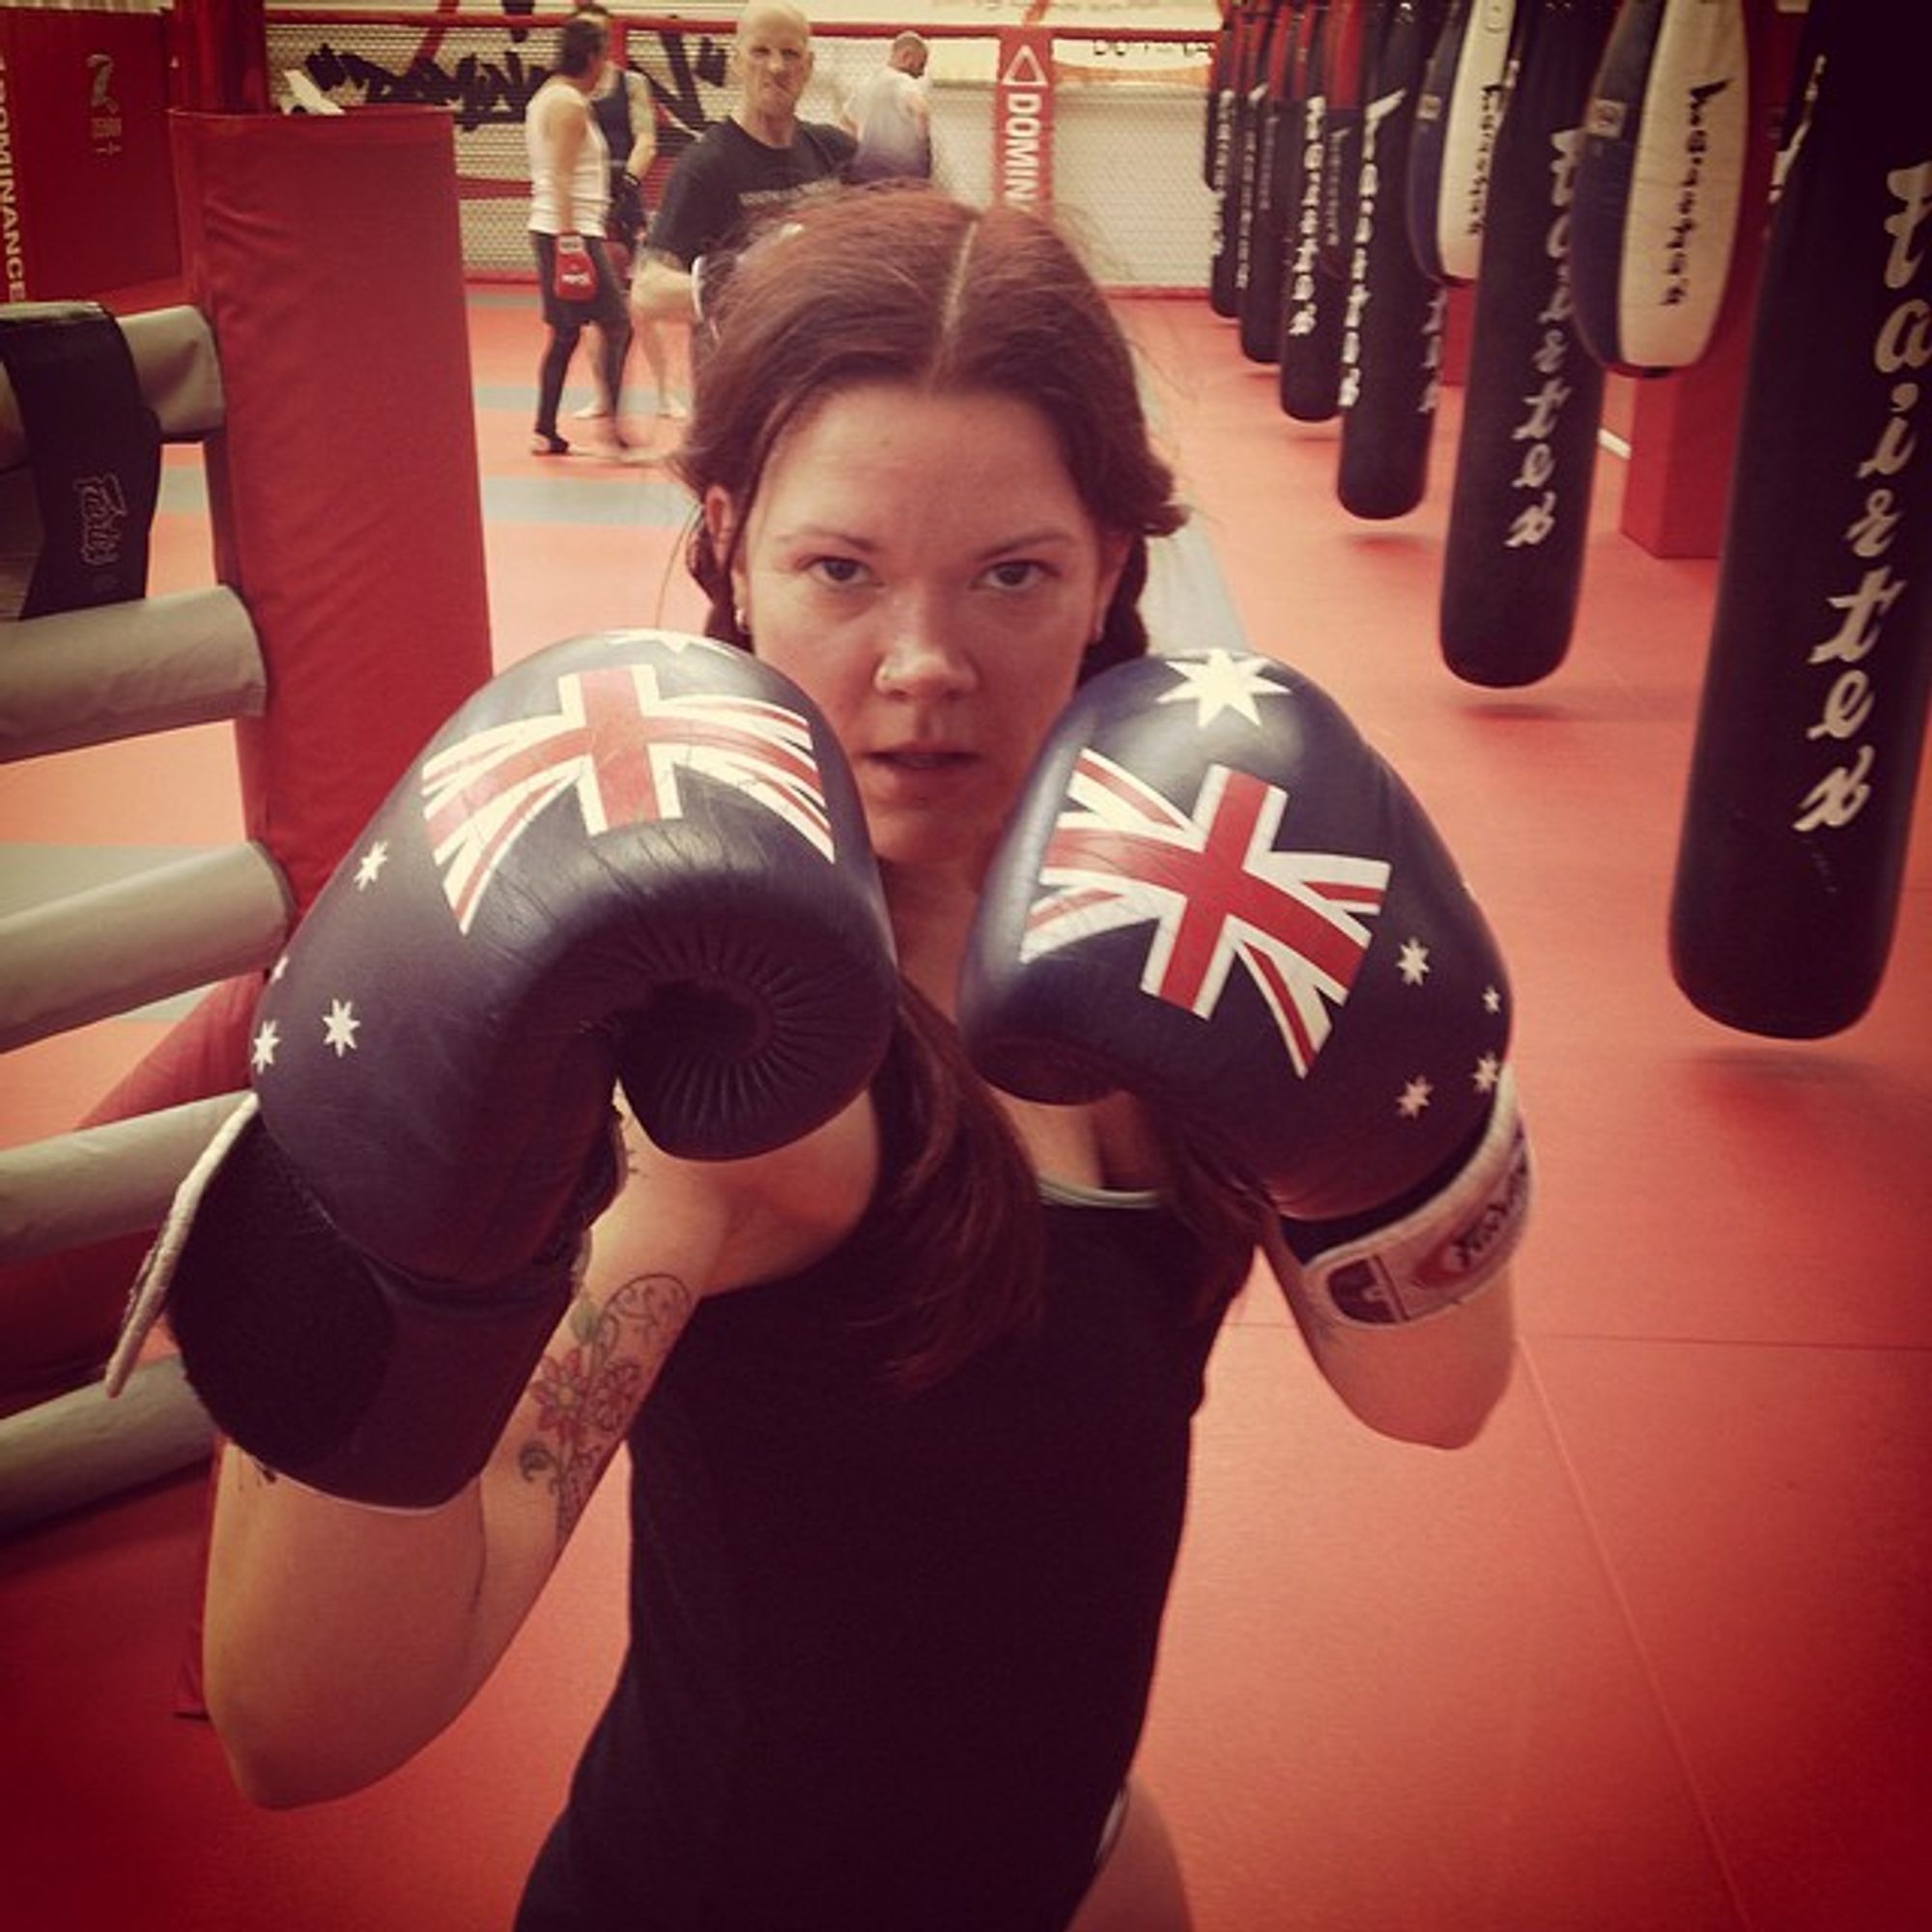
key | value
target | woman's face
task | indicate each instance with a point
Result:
(922, 566)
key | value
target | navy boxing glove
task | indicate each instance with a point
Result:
(636, 856)
(1215, 895)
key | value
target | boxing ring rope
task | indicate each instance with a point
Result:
(80, 678)
(350, 617)
(84, 678)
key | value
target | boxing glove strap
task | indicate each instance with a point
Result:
(337, 1370)
(1434, 1254)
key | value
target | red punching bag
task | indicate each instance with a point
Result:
(1519, 508)
(1392, 332)
(1812, 722)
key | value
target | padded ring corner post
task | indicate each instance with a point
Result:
(361, 558)
(75, 677)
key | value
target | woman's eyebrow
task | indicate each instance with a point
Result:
(1047, 535)
(798, 533)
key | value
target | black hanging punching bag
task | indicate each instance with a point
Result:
(1220, 92)
(1261, 284)
(1660, 182)
(1520, 507)
(1392, 332)
(1244, 166)
(1455, 120)
(1355, 32)
(1813, 715)
(1312, 297)
(1225, 264)
(1260, 296)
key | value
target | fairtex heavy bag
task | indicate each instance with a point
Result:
(1660, 182)
(1519, 508)
(1314, 291)
(1812, 723)
(1453, 144)
(1392, 334)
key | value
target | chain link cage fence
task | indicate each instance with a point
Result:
(1114, 142)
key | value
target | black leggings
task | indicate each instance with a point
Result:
(606, 308)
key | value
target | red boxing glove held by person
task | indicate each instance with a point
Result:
(574, 277)
(1215, 895)
(634, 856)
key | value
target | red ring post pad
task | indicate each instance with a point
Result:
(95, 451)
(327, 254)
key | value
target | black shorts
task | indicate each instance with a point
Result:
(606, 308)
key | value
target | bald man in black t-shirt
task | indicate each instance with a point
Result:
(743, 167)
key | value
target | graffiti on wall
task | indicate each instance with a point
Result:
(491, 85)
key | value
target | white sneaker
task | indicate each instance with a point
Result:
(594, 411)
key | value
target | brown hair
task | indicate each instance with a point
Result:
(957, 1228)
(905, 285)
(580, 41)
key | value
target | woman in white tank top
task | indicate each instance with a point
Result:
(570, 196)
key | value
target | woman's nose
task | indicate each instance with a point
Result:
(919, 658)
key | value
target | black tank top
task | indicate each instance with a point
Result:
(889, 1654)
(612, 110)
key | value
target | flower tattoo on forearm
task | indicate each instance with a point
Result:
(589, 1386)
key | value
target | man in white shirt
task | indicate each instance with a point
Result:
(888, 113)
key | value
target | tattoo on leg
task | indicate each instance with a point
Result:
(589, 1387)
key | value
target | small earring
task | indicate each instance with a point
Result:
(740, 622)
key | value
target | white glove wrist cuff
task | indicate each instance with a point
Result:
(1441, 1252)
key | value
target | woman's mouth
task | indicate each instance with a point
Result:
(915, 762)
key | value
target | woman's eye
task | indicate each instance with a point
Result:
(1017, 573)
(837, 570)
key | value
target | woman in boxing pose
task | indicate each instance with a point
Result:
(907, 1375)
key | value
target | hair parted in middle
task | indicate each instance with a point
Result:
(904, 284)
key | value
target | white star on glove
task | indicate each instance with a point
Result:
(339, 1028)
(1223, 683)
(373, 861)
(261, 1053)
